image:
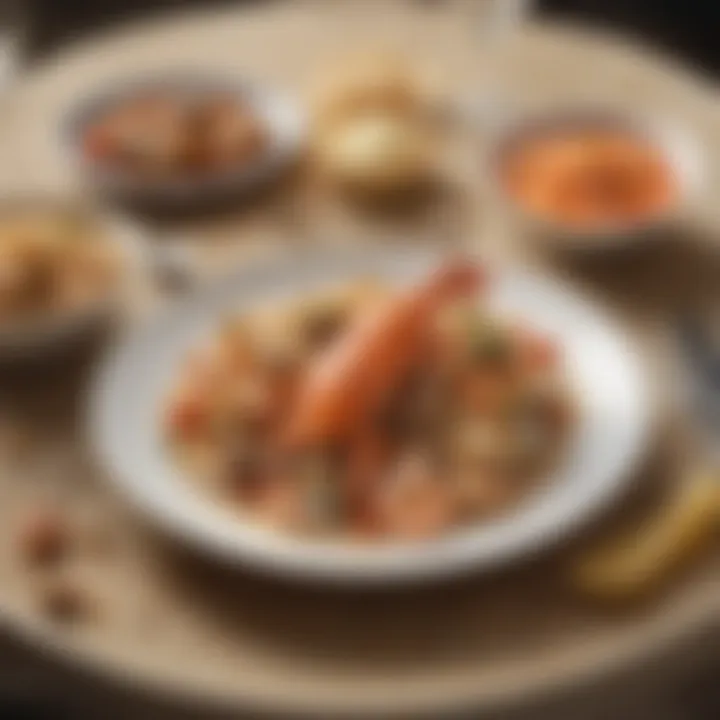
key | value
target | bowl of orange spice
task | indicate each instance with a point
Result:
(597, 176)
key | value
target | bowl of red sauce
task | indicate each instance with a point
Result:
(597, 175)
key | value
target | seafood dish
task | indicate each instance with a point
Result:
(372, 413)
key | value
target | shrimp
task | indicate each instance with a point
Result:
(367, 460)
(354, 375)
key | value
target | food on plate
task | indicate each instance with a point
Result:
(358, 372)
(372, 414)
(374, 129)
(167, 134)
(629, 567)
(52, 261)
(589, 178)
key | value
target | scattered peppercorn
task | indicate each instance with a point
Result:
(44, 538)
(65, 602)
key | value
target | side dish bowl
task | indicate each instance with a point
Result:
(37, 267)
(670, 150)
(604, 371)
(277, 117)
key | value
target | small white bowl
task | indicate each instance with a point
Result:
(282, 117)
(127, 402)
(38, 334)
(679, 148)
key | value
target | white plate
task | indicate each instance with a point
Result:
(282, 117)
(127, 402)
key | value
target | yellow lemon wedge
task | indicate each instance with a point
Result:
(632, 566)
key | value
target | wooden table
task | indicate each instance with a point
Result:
(179, 627)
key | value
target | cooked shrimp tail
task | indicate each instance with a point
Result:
(356, 374)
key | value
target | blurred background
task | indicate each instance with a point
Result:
(684, 28)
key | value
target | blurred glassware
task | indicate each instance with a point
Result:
(13, 16)
(480, 30)
(472, 34)
(492, 23)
